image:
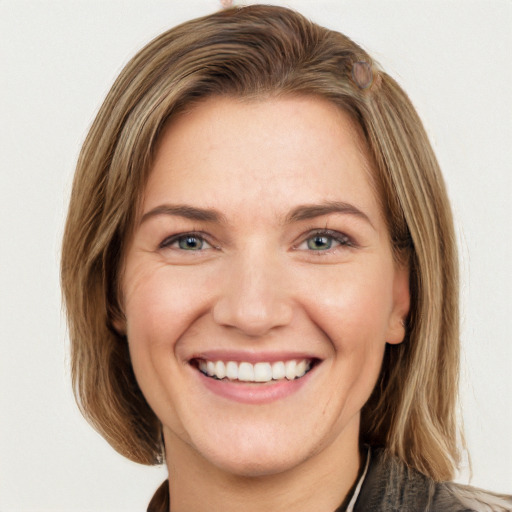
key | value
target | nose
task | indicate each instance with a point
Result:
(253, 297)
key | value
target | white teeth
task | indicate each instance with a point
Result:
(232, 370)
(210, 368)
(246, 372)
(220, 369)
(258, 372)
(300, 369)
(278, 370)
(290, 367)
(262, 372)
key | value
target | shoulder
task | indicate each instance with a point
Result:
(390, 485)
(474, 499)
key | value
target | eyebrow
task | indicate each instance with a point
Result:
(299, 213)
(311, 211)
(185, 211)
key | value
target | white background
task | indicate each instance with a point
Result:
(58, 59)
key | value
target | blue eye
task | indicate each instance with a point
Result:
(190, 243)
(324, 241)
(319, 243)
(186, 242)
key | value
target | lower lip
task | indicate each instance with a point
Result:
(259, 393)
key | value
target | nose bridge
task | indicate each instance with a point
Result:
(253, 296)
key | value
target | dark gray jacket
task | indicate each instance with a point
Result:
(391, 486)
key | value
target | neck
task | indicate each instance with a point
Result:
(320, 483)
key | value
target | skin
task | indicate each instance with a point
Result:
(261, 282)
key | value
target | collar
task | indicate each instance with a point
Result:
(357, 490)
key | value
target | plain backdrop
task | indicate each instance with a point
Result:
(58, 60)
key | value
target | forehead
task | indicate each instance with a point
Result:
(227, 152)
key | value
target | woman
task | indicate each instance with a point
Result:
(260, 275)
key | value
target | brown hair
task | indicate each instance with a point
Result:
(257, 52)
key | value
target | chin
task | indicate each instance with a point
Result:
(258, 465)
(258, 451)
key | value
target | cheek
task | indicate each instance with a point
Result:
(353, 312)
(160, 305)
(353, 307)
(158, 302)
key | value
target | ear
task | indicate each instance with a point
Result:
(116, 316)
(119, 325)
(401, 305)
(117, 320)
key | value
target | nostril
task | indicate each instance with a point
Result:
(253, 318)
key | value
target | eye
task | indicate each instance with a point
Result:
(190, 243)
(323, 241)
(186, 242)
(319, 243)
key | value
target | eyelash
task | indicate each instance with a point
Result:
(336, 236)
(169, 241)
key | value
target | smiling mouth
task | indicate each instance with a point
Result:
(260, 372)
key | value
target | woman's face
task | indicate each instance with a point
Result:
(259, 286)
